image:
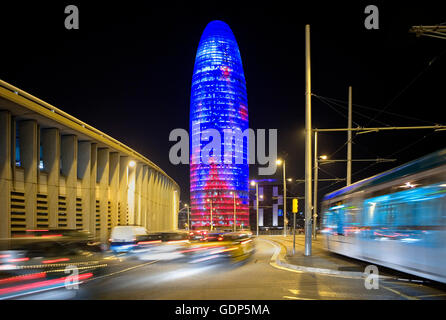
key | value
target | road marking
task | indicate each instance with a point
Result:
(326, 272)
(399, 293)
(319, 293)
(121, 271)
(297, 298)
(432, 295)
(277, 263)
(333, 273)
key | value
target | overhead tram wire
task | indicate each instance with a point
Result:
(330, 185)
(336, 102)
(354, 111)
(355, 133)
(353, 138)
(333, 100)
(375, 163)
(333, 108)
(394, 153)
(408, 85)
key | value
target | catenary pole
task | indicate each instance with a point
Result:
(349, 138)
(308, 133)
(316, 174)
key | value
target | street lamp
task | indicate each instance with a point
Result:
(235, 220)
(188, 217)
(279, 162)
(212, 220)
(132, 163)
(253, 183)
(316, 178)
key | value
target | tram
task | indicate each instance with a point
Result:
(396, 219)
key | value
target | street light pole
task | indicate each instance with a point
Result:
(316, 173)
(294, 233)
(349, 138)
(283, 163)
(235, 220)
(188, 218)
(257, 206)
(284, 200)
(307, 142)
(212, 220)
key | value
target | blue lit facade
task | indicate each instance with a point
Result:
(218, 101)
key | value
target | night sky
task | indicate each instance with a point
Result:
(127, 71)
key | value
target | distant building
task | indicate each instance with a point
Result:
(271, 207)
(218, 103)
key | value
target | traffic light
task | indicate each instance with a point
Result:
(295, 206)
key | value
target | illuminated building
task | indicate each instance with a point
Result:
(218, 101)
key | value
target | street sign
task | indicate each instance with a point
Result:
(295, 206)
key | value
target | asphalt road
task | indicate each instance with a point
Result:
(257, 278)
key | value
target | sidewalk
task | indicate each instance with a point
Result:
(321, 261)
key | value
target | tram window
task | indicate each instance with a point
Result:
(404, 216)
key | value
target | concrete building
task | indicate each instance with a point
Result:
(58, 172)
(271, 207)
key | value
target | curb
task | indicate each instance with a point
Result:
(280, 262)
(277, 261)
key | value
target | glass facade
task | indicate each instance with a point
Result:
(219, 102)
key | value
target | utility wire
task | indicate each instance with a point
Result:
(333, 108)
(328, 173)
(354, 136)
(394, 153)
(407, 86)
(387, 112)
(328, 186)
(354, 111)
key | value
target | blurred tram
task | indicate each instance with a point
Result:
(396, 219)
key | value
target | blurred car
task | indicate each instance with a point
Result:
(126, 238)
(37, 260)
(228, 246)
(214, 236)
(163, 246)
(199, 235)
(66, 239)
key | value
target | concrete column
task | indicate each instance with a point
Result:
(5, 174)
(169, 207)
(164, 217)
(51, 165)
(114, 187)
(155, 208)
(69, 170)
(84, 174)
(29, 162)
(93, 177)
(174, 207)
(177, 205)
(13, 147)
(150, 211)
(131, 194)
(123, 185)
(158, 207)
(144, 188)
(102, 179)
(166, 198)
(138, 193)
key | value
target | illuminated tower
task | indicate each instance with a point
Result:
(218, 101)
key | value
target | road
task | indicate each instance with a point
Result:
(256, 279)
